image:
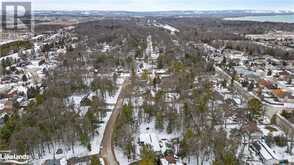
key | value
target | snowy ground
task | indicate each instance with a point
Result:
(79, 150)
(121, 158)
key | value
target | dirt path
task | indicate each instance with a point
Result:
(106, 149)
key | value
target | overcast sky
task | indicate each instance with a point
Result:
(162, 5)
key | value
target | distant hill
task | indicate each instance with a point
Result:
(214, 13)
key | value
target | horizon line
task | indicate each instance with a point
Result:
(204, 10)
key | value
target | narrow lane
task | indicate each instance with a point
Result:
(106, 148)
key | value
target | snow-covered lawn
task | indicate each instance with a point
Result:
(282, 154)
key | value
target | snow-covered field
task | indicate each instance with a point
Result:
(170, 28)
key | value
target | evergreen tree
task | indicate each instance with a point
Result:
(148, 157)
(95, 161)
(159, 123)
(255, 108)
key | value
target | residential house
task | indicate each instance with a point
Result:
(283, 95)
(267, 84)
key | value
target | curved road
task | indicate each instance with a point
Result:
(106, 149)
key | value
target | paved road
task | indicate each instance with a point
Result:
(271, 110)
(106, 149)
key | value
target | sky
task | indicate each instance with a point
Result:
(161, 5)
